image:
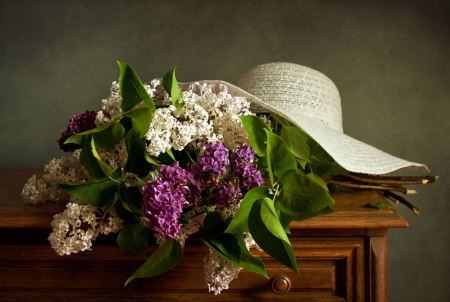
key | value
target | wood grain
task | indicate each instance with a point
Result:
(341, 257)
(349, 212)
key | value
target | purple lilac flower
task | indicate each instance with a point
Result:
(226, 195)
(244, 169)
(244, 153)
(164, 199)
(210, 165)
(77, 124)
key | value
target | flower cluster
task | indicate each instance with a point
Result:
(211, 169)
(77, 124)
(164, 199)
(111, 105)
(63, 170)
(67, 170)
(194, 220)
(178, 188)
(218, 272)
(207, 115)
(244, 168)
(194, 160)
(211, 165)
(76, 228)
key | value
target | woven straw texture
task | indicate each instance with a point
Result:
(299, 90)
(311, 101)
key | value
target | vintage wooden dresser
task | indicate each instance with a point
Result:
(341, 257)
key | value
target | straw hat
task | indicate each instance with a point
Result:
(311, 101)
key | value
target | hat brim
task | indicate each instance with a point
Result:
(351, 154)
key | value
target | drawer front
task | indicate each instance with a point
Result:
(330, 269)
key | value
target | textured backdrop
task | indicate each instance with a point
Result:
(389, 59)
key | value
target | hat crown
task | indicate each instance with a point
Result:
(297, 89)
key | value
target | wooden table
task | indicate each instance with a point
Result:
(341, 257)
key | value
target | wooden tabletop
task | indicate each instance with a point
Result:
(349, 212)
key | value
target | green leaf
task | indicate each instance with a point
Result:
(167, 157)
(319, 180)
(239, 223)
(378, 205)
(269, 234)
(248, 261)
(302, 162)
(109, 204)
(279, 158)
(94, 167)
(213, 236)
(271, 220)
(134, 239)
(170, 153)
(126, 122)
(296, 141)
(104, 166)
(229, 247)
(94, 193)
(191, 155)
(106, 136)
(337, 170)
(126, 207)
(300, 195)
(171, 85)
(213, 222)
(280, 121)
(285, 221)
(117, 174)
(90, 163)
(262, 163)
(133, 198)
(336, 188)
(141, 119)
(256, 130)
(124, 212)
(164, 258)
(321, 168)
(326, 210)
(132, 90)
(319, 153)
(138, 161)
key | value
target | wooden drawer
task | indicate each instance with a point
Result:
(330, 269)
(341, 257)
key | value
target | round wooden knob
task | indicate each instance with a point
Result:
(281, 284)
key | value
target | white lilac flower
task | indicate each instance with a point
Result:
(209, 114)
(68, 236)
(63, 170)
(77, 226)
(266, 121)
(110, 105)
(218, 272)
(67, 169)
(159, 134)
(206, 115)
(115, 156)
(249, 242)
(112, 223)
(34, 190)
(231, 210)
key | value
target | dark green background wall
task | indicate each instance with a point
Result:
(389, 59)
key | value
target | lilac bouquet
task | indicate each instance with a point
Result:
(161, 161)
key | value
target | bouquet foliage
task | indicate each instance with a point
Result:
(165, 160)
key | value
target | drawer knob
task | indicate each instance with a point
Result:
(281, 284)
